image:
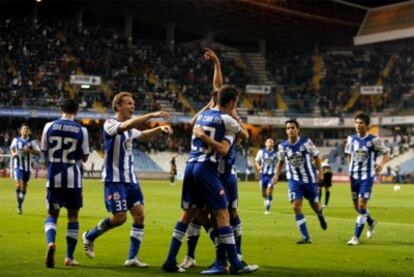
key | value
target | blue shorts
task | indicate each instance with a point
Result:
(266, 181)
(20, 175)
(230, 185)
(298, 190)
(70, 198)
(361, 188)
(120, 197)
(202, 187)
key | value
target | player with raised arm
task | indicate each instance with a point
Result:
(202, 184)
(65, 145)
(122, 189)
(228, 176)
(265, 161)
(21, 149)
(297, 153)
(362, 149)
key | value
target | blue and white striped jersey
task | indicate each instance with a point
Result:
(227, 164)
(22, 160)
(65, 142)
(298, 158)
(364, 152)
(119, 159)
(267, 160)
(218, 126)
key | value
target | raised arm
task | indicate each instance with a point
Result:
(218, 76)
(137, 120)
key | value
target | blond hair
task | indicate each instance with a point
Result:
(118, 98)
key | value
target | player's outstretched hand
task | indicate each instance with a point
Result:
(161, 114)
(198, 132)
(166, 129)
(210, 55)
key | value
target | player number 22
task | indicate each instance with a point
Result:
(65, 153)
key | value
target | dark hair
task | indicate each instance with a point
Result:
(70, 106)
(293, 121)
(363, 116)
(226, 94)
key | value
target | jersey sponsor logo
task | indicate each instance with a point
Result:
(296, 159)
(361, 154)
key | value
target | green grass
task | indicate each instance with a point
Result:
(267, 240)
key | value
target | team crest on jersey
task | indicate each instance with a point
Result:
(128, 145)
(302, 148)
(117, 196)
(369, 143)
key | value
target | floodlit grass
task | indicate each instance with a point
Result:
(267, 240)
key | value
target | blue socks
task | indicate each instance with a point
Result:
(178, 236)
(193, 234)
(226, 239)
(136, 235)
(268, 202)
(103, 226)
(301, 222)
(237, 230)
(50, 229)
(71, 238)
(20, 197)
(360, 222)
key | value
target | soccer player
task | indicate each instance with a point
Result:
(65, 145)
(227, 174)
(122, 189)
(265, 161)
(202, 185)
(173, 170)
(326, 182)
(297, 153)
(362, 149)
(21, 149)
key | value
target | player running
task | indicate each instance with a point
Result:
(65, 145)
(265, 161)
(21, 148)
(297, 153)
(362, 149)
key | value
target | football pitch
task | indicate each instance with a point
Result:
(268, 241)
